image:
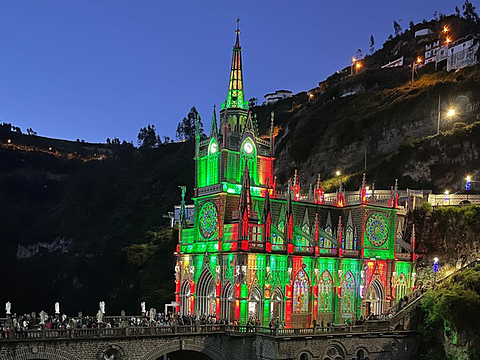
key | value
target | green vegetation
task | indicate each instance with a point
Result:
(451, 315)
(110, 215)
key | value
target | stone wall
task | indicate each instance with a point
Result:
(401, 345)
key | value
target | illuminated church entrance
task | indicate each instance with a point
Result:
(374, 299)
(206, 294)
(276, 306)
(254, 305)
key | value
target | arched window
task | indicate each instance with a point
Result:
(401, 287)
(248, 155)
(205, 303)
(348, 293)
(325, 292)
(327, 243)
(254, 304)
(349, 238)
(277, 236)
(300, 293)
(212, 163)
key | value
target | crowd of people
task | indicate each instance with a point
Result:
(24, 323)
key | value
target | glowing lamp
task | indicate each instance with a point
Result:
(213, 148)
(248, 148)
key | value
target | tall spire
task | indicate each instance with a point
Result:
(214, 129)
(235, 97)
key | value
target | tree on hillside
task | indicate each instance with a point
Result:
(252, 102)
(30, 131)
(397, 28)
(359, 54)
(435, 15)
(186, 128)
(469, 12)
(372, 44)
(411, 24)
(147, 137)
(457, 11)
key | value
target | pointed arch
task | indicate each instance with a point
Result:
(205, 299)
(254, 304)
(375, 297)
(325, 292)
(301, 287)
(349, 238)
(401, 287)
(277, 305)
(212, 162)
(185, 297)
(248, 156)
(228, 302)
(348, 293)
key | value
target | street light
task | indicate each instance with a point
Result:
(416, 63)
(435, 270)
(445, 29)
(338, 173)
(448, 40)
(468, 181)
(451, 112)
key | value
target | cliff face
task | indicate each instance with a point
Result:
(327, 133)
(80, 230)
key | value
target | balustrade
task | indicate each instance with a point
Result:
(47, 334)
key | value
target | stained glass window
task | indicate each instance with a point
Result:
(208, 220)
(349, 238)
(300, 293)
(348, 293)
(281, 226)
(326, 242)
(325, 292)
(377, 230)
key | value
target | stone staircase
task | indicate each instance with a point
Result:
(407, 317)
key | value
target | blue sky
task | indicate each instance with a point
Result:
(93, 69)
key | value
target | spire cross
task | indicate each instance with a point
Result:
(238, 24)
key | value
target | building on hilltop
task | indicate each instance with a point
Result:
(459, 54)
(423, 32)
(277, 95)
(463, 53)
(254, 253)
(395, 63)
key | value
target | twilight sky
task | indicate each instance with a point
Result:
(93, 69)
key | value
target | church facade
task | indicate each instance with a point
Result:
(253, 252)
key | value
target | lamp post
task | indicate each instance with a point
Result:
(435, 270)
(451, 113)
(415, 63)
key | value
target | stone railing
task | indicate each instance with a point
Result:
(453, 199)
(102, 332)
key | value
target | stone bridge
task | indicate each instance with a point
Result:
(215, 342)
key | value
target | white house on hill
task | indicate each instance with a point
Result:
(277, 95)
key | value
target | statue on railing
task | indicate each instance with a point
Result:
(43, 317)
(57, 308)
(142, 306)
(152, 313)
(8, 308)
(101, 312)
